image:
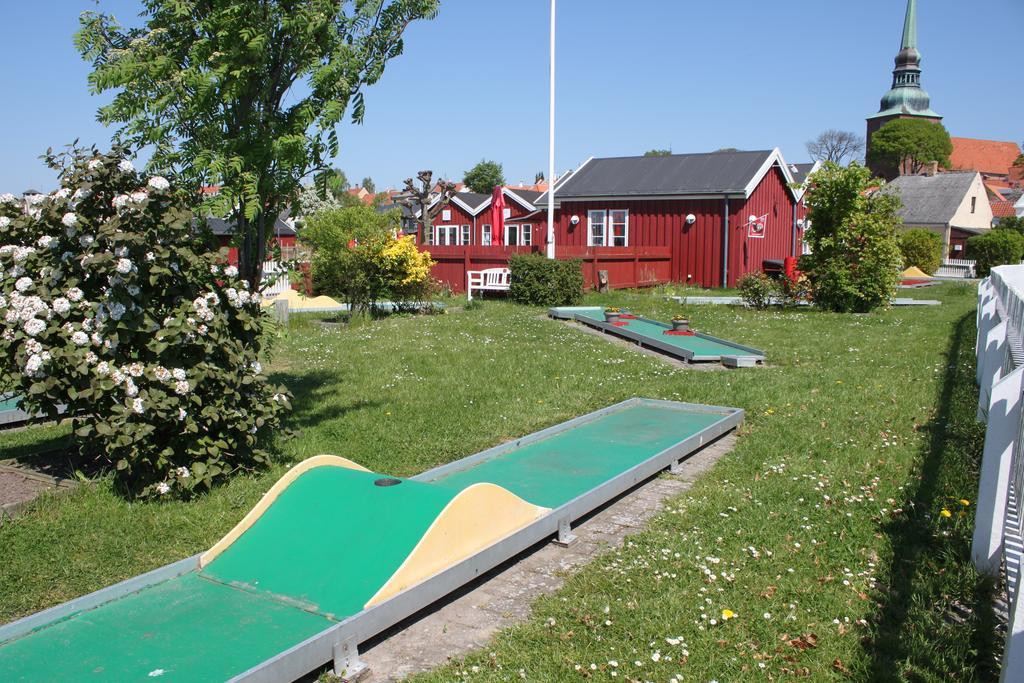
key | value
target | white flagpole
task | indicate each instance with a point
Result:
(551, 145)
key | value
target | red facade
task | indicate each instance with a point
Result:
(662, 247)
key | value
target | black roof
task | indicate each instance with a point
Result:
(677, 174)
(471, 199)
(801, 171)
(529, 195)
(220, 226)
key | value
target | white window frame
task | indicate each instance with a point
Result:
(446, 215)
(590, 227)
(521, 232)
(485, 238)
(506, 212)
(509, 227)
(451, 235)
(465, 235)
(606, 236)
(526, 234)
(610, 228)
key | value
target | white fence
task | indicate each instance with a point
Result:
(275, 279)
(953, 267)
(999, 525)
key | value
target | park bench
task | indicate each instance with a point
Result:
(489, 280)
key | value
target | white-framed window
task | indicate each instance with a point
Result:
(608, 228)
(596, 225)
(446, 214)
(618, 225)
(485, 237)
(465, 236)
(518, 235)
(506, 212)
(446, 235)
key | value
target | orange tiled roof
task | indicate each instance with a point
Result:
(1002, 210)
(985, 156)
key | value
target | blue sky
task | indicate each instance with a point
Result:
(472, 84)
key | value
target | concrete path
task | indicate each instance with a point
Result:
(466, 621)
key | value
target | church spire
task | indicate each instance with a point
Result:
(906, 97)
(910, 26)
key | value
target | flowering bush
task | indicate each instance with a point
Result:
(358, 257)
(111, 303)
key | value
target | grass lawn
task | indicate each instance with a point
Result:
(821, 534)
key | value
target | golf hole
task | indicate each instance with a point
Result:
(387, 481)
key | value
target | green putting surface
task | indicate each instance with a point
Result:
(699, 346)
(192, 628)
(555, 470)
(331, 540)
(318, 554)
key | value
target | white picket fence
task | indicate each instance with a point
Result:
(998, 541)
(953, 267)
(275, 279)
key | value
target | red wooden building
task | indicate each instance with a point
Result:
(284, 235)
(705, 219)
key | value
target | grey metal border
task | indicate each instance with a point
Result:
(344, 636)
(347, 634)
(651, 342)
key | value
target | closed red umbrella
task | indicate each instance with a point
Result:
(497, 216)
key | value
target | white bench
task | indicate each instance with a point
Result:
(490, 280)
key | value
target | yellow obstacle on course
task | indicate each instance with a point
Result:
(298, 302)
(915, 272)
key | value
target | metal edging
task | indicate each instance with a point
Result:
(26, 625)
(319, 649)
(670, 349)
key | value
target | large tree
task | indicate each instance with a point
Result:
(484, 176)
(369, 185)
(854, 258)
(908, 145)
(425, 202)
(245, 95)
(837, 146)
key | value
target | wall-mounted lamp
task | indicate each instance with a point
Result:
(752, 218)
(575, 220)
(690, 219)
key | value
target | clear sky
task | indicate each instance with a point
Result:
(692, 76)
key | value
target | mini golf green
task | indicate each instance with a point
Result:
(698, 347)
(322, 549)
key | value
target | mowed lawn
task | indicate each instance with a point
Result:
(821, 538)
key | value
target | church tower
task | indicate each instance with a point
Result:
(906, 99)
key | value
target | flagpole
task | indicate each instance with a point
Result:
(551, 144)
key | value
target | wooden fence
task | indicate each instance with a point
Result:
(275, 279)
(998, 544)
(626, 266)
(952, 267)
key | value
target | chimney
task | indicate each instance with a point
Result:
(930, 169)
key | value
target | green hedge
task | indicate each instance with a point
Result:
(921, 248)
(995, 248)
(540, 281)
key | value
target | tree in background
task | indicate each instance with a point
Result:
(334, 182)
(369, 185)
(921, 248)
(484, 176)
(538, 177)
(908, 145)
(244, 95)
(837, 146)
(1015, 223)
(421, 200)
(726, 149)
(358, 258)
(855, 257)
(995, 248)
(658, 153)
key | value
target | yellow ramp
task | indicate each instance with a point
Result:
(479, 516)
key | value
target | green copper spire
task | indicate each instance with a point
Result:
(907, 97)
(910, 26)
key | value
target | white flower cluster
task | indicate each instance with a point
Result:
(15, 253)
(8, 198)
(158, 183)
(236, 298)
(201, 305)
